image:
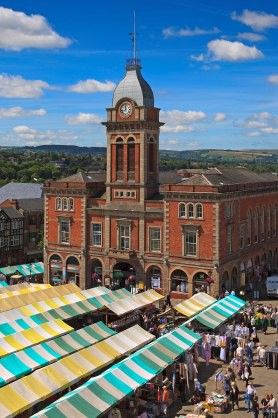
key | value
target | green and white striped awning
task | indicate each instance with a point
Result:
(220, 311)
(19, 396)
(19, 364)
(100, 393)
(30, 269)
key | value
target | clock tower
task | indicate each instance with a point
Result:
(132, 141)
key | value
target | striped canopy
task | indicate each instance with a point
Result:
(22, 394)
(100, 393)
(95, 291)
(194, 304)
(16, 365)
(129, 304)
(16, 286)
(23, 290)
(18, 325)
(53, 303)
(30, 269)
(21, 300)
(29, 337)
(3, 283)
(222, 310)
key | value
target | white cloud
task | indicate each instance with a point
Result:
(263, 123)
(83, 118)
(198, 58)
(34, 137)
(185, 32)
(256, 20)
(222, 50)
(92, 86)
(172, 142)
(182, 117)
(180, 121)
(273, 79)
(177, 128)
(220, 117)
(16, 86)
(19, 31)
(250, 36)
(17, 112)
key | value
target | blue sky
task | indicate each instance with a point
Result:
(212, 66)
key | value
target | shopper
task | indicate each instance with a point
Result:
(250, 393)
(234, 396)
(264, 324)
(165, 400)
(272, 406)
(264, 403)
(256, 407)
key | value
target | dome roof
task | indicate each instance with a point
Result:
(134, 87)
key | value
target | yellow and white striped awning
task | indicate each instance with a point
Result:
(129, 304)
(23, 290)
(22, 394)
(28, 337)
(25, 299)
(195, 304)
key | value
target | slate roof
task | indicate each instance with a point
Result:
(91, 177)
(20, 191)
(12, 213)
(228, 176)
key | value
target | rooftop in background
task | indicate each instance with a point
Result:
(31, 204)
(12, 213)
(20, 191)
(229, 176)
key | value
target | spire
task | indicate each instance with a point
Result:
(134, 62)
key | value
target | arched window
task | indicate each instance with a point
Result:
(179, 281)
(182, 210)
(119, 158)
(71, 204)
(199, 210)
(58, 203)
(130, 158)
(65, 203)
(256, 225)
(190, 211)
(249, 228)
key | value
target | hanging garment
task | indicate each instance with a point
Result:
(223, 353)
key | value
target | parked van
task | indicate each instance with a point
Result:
(272, 286)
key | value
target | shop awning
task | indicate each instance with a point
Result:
(29, 337)
(222, 310)
(16, 365)
(194, 304)
(15, 287)
(8, 270)
(24, 269)
(13, 302)
(100, 393)
(22, 394)
(126, 305)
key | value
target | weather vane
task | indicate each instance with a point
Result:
(133, 37)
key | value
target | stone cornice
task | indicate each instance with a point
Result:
(131, 126)
(159, 214)
(203, 196)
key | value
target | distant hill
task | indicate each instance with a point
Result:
(208, 156)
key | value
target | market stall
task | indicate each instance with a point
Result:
(16, 365)
(29, 337)
(100, 393)
(17, 397)
(195, 304)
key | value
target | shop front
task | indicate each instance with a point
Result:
(72, 270)
(55, 269)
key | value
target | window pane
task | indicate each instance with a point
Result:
(97, 236)
(154, 239)
(182, 213)
(124, 237)
(199, 211)
(190, 211)
(191, 243)
(64, 231)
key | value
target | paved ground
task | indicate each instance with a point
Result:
(265, 380)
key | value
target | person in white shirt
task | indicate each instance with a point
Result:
(261, 355)
(272, 405)
(250, 393)
(239, 352)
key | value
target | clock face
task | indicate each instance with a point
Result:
(125, 109)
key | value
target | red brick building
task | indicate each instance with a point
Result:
(176, 232)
